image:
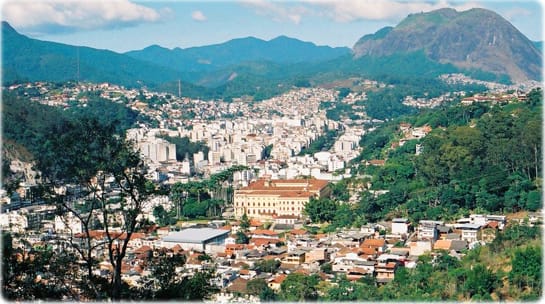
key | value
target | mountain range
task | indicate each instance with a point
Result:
(477, 42)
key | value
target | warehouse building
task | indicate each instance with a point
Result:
(201, 239)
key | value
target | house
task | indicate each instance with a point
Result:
(443, 231)
(385, 272)
(239, 286)
(470, 232)
(263, 243)
(458, 245)
(501, 219)
(297, 233)
(286, 219)
(427, 230)
(379, 245)
(247, 274)
(400, 226)
(356, 273)
(367, 253)
(295, 257)
(233, 249)
(442, 245)
(262, 233)
(419, 247)
(275, 283)
(317, 255)
(344, 261)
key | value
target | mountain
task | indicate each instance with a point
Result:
(281, 49)
(24, 58)
(538, 45)
(476, 39)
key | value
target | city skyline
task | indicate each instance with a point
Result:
(124, 25)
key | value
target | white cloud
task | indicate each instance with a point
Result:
(349, 10)
(278, 11)
(198, 16)
(52, 16)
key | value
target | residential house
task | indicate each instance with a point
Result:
(470, 232)
(427, 230)
(379, 245)
(400, 226)
(317, 255)
(275, 283)
(419, 247)
(238, 287)
(385, 272)
(295, 257)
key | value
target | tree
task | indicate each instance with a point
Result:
(259, 287)
(244, 223)
(242, 238)
(526, 269)
(480, 281)
(298, 287)
(267, 265)
(342, 291)
(321, 209)
(99, 160)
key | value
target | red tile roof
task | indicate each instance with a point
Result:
(279, 279)
(265, 232)
(373, 243)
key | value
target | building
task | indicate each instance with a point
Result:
(400, 226)
(266, 198)
(427, 230)
(201, 239)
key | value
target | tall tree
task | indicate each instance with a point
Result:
(99, 160)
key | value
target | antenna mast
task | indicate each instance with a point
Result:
(179, 89)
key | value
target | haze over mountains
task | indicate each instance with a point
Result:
(478, 42)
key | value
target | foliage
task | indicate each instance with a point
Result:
(241, 238)
(259, 287)
(321, 209)
(527, 270)
(267, 265)
(322, 143)
(184, 147)
(481, 156)
(298, 287)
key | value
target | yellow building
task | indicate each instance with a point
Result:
(266, 199)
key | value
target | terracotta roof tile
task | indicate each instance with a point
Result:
(373, 243)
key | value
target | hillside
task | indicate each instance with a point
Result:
(473, 39)
(233, 52)
(24, 58)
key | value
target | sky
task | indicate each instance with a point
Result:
(124, 25)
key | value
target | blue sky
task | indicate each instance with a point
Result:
(123, 25)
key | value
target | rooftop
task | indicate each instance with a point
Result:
(194, 235)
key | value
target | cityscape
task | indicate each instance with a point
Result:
(332, 183)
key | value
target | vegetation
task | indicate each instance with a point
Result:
(322, 143)
(185, 147)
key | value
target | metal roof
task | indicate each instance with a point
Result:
(194, 235)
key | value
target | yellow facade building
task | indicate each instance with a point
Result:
(267, 199)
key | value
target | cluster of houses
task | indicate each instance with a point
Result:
(376, 250)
